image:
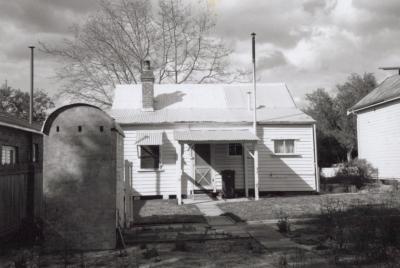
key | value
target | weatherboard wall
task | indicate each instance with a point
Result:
(276, 173)
(378, 134)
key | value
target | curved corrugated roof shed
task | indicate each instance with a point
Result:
(386, 91)
(50, 119)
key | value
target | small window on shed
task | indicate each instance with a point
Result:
(9, 155)
(58, 129)
(80, 128)
(101, 128)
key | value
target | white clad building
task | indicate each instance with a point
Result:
(181, 137)
(378, 128)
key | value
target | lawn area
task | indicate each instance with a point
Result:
(164, 211)
(297, 206)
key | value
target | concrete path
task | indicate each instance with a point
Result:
(209, 209)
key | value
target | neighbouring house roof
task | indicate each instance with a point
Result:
(386, 91)
(207, 103)
(13, 122)
(214, 135)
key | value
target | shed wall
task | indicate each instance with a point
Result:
(82, 171)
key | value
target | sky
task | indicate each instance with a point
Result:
(307, 44)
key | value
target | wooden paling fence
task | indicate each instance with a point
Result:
(20, 195)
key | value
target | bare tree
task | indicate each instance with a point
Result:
(109, 48)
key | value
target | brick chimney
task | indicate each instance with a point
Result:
(147, 78)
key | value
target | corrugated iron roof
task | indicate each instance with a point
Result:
(264, 115)
(214, 135)
(389, 89)
(13, 122)
(149, 138)
(207, 103)
(205, 96)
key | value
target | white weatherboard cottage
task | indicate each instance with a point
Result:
(180, 137)
(378, 128)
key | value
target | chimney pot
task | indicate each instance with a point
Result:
(146, 66)
(147, 79)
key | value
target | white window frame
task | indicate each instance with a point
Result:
(294, 153)
(13, 157)
(160, 165)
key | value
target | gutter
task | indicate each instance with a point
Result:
(21, 128)
(372, 105)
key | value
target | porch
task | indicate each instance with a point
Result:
(206, 157)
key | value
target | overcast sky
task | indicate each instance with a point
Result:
(307, 44)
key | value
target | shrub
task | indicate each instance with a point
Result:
(358, 167)
(369, 232)
(283, 222)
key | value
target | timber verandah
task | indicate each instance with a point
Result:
(212, 153)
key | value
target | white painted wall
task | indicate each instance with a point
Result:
(277, 173)
(378, 135)
(286, 173)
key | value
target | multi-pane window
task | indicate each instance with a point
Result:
(284, 146)
(235, 149)
(149, 157)
(9, 155)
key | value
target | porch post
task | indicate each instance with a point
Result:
(256, 186)
(179, 172)
(246, 175)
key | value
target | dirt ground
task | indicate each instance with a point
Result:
(164, 211)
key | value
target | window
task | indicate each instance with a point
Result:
(79, 128)
(9, 155)
(35, 153)
(284, 146)
(101, 128)
(149, 157)
(235, 149)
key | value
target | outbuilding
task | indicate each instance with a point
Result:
(83, 178)
(378, 127)
(21, 146)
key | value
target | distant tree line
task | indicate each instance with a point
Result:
(15, 102)
(337, 131)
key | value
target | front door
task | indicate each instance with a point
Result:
(203, 176)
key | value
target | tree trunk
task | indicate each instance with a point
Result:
(349, 153)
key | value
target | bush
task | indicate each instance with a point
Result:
(358, 167)
(283, 222)
(369, 232)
